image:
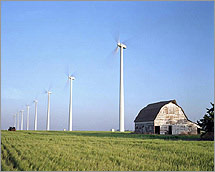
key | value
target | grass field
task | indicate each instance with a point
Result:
(103, 151)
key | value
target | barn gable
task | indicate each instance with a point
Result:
(170, 113)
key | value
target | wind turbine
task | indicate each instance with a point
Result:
(14, 120)
(22, 119)
(35, 119)
(17, 120)
(27, 125)
(71, 78)
(48, 112)
(121, 94)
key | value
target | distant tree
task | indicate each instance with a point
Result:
(207, 123)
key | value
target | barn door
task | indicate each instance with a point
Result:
(170, 129)
(157, 129)
(198, 130)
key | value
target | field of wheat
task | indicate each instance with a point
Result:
(103, 151)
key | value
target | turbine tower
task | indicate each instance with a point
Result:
(121, 99)
(71, 78)
(14, 120)
(17, 120)
(48, 112)
(27, 125)
(35, 120)
(22, 119)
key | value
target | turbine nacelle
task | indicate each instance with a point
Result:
(121, 45)
(71, 77)
(35, 101)
(48, 92)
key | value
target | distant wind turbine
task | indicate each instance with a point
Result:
(48, 112)
(35, 119)
(14, 120)
(121, 97)
(17, 120)
(22, 119)
(71, 78)
(27, 121)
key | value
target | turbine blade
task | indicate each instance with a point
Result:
(50, 86)
(66, 85)
(126, 42)
(37, 95)
(74, 74)
(116, 50)
(67, 71)
(112, 54)
(130, 41)
(116, 36)
(110, 60)
(44, 91)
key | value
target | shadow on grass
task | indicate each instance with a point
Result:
(115, 135)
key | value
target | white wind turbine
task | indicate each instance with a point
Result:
(17, 120)
(22, 119)
(48, 112)
(27, 121)
(14, 120)
(71, 78)
(35, 119)
(121, 97)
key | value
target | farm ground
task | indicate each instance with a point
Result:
(103, 151)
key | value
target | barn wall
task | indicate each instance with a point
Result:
(144, 127)
(172, 115)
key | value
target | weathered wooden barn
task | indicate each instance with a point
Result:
(164, 117)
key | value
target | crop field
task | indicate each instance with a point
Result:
(103, 151)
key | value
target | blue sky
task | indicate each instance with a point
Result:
(169, 56)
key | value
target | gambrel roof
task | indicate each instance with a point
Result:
(150, 112)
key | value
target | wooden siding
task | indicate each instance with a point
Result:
(144, 127)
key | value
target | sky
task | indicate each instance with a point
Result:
(169, 55)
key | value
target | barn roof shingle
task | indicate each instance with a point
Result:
(150, 112)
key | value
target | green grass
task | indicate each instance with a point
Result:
(103, 151)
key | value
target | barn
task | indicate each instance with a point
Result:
(165, 117)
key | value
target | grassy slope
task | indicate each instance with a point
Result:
(103, 151)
